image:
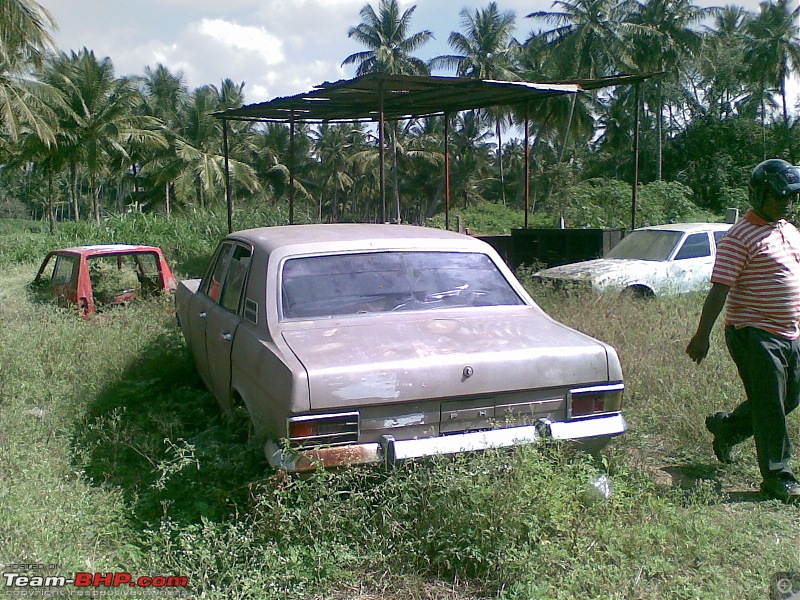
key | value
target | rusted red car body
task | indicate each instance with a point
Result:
(70, 275)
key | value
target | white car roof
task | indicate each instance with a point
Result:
(689, 227)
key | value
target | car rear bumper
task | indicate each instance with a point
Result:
(590, 432)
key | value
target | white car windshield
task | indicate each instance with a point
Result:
(375, 282)
(646, 245)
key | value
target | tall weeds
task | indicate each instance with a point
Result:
(114, 457)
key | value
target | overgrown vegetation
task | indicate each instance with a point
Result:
(114, 457)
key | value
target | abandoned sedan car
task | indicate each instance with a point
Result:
(650, 261)
(356, 344)
(89, 276)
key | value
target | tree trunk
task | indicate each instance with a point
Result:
(50, 215)
(74, 192)
(96, 199)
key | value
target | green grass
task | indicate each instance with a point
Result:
(114, 457)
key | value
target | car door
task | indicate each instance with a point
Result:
(690, 269)
(223, 320)
(201, 304)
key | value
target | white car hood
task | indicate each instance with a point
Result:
(605, 272)
(423, 356)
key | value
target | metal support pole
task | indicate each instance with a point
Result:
(447, 171)
(291, 170)
(635, 193)
(382, 143)
(228, 195)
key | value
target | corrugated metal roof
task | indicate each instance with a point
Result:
(404, 96)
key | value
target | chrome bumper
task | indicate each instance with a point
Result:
(392, 451)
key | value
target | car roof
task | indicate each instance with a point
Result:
(354, 236)
(688, 227)
(98, 249)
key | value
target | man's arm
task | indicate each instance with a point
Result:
(715, 300)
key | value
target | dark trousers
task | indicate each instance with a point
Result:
(769, 366)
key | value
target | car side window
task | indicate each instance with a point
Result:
(62, 274)
(695, 246)
(235, 278)
(718, 236)
(212, 283)
(57, 271)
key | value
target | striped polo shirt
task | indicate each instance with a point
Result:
(760, 262)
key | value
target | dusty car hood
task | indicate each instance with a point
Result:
(606, 271)
(416, 357)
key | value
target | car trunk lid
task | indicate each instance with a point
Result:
(414, 357)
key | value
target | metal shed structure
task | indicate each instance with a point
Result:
(380, 97)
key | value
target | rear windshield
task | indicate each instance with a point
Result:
(349, 284)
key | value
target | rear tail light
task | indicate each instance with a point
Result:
(318, 430)
(595, 399)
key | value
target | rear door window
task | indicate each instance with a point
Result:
(225, 280)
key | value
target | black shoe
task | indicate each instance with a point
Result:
(785, 490)
(722, 445)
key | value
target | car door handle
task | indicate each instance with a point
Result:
(227, 337)
(203, 315)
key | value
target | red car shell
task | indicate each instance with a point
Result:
(70, 275)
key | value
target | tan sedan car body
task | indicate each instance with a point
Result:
(379, 343)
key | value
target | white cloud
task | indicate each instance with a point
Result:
(241, 38)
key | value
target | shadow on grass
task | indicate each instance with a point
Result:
(157, 434)
(688, 476)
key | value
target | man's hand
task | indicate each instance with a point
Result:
(715, 300)
(698, 347)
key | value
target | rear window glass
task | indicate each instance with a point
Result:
(348, 284)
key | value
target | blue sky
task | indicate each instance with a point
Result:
(277, 47)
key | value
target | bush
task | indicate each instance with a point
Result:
(607, 203)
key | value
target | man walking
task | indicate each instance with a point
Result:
(757, 271)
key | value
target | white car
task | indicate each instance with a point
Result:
(650, 261)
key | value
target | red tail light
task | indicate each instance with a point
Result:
(595, 399)
(329, 429)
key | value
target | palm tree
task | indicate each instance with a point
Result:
(589, 39)
(390, 48)
(389, 44)
(721, 61)
(333, 148)
(665, 39)
(24, 34)
(165, 96)
(471, 151)
(199, 167)
(487, 50)
(99, 123)
(24, 39)
(773, 47)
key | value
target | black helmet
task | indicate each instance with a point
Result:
(776, 175)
